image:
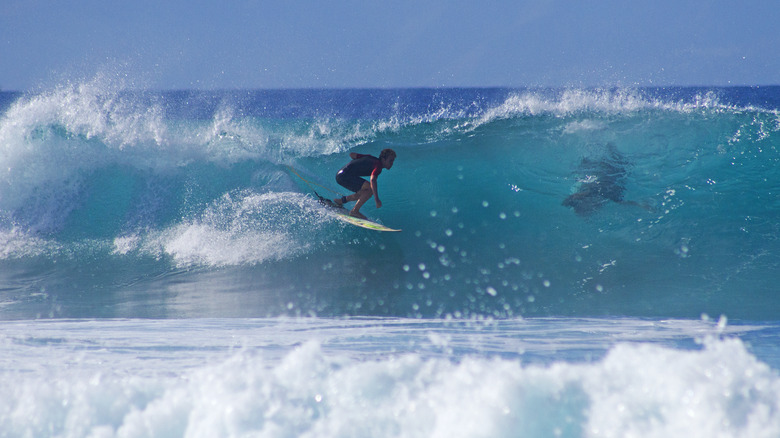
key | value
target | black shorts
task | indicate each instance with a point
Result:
(352, 182)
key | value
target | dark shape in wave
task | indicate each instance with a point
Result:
(601, 180)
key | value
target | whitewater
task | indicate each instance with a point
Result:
(573, 263)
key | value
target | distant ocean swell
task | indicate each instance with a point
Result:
(672, 197)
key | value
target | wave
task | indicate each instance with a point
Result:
(637, 390)
(198, 180)
(243, 228)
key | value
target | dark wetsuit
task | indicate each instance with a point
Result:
(364, 165)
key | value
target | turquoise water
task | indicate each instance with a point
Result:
(107, 195)
(608, 255)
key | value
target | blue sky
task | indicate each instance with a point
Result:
(183, 44)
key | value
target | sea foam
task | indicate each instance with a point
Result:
(635, 390)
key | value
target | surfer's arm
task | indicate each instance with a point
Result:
(375, 190)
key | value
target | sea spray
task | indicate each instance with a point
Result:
(187, 184)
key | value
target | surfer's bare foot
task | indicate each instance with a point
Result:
(357, 214)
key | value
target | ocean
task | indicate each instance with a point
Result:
(597, 262)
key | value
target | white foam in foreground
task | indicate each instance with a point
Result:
(156, 385)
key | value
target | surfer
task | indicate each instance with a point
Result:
(350, 175)
(602, 181)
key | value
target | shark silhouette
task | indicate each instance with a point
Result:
(600, 181)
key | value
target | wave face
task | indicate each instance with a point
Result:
(566, 202)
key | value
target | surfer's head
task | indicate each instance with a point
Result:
(387, 156)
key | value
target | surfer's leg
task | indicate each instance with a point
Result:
(352, 183)
(362, 196)
(344, 199)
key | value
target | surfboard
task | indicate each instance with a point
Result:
(340, 212)
(363, 223)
